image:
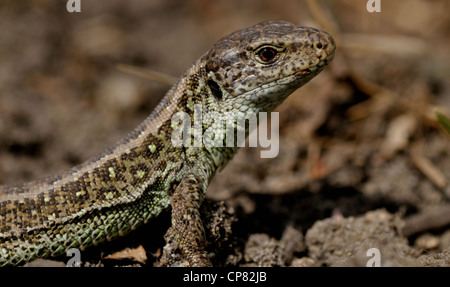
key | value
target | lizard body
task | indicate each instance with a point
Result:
(250, 71)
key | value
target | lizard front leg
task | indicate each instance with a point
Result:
(187, 226)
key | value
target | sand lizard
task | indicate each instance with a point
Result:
(249, 71)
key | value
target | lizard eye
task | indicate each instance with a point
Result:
(267, 54)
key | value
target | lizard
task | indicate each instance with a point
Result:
(249, 71)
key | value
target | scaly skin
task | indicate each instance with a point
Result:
(250, 71)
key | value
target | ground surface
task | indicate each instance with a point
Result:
(362, 162)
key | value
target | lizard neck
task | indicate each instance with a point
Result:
(195, 120)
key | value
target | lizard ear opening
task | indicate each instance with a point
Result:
(215, 89)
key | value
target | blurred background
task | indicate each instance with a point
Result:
(362, 163)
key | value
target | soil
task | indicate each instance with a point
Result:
(363, 167)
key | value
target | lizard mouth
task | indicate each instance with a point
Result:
(303, 72)
(307, 71)
(319, 66)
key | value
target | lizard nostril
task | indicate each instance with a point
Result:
(319, 46)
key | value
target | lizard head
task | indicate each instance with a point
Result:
(255, 69)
